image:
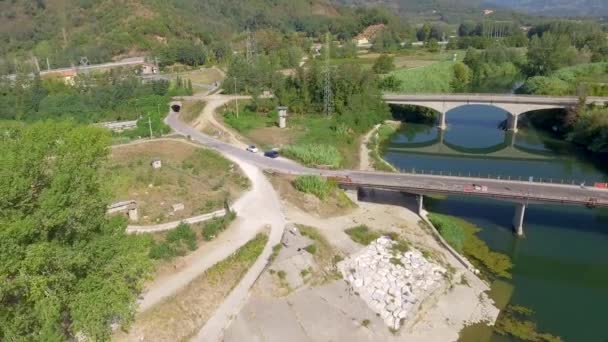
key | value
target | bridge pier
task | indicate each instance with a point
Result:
(420, 202)
(512, 123)
(518, 219)
(442, 125)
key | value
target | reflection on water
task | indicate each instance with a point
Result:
(561, 266)
(474, 145)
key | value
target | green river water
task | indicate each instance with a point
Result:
(561, 266)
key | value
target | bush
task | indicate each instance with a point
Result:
(314, 154)
(362, 235)
(162, 251)
(312, 249)
(315, 185)
(214, 227)
(451, 232)
(182, 234)
(460, 233)
(175, 243)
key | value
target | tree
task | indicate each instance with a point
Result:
(549, 53)
(424, 33)
(65, 268)
(384, 64)
(462, 77)
(433, 45)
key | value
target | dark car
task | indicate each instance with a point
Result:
(271, 154)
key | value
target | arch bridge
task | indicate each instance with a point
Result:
(515, 105)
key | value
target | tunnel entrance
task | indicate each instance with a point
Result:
(176, 108)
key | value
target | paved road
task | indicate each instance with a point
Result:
(419, 184)
(494, 98)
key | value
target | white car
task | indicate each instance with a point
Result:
(252, 149)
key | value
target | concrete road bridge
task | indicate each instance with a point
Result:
(519, 192)
(515, 105)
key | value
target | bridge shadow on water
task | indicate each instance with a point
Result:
(495, 213)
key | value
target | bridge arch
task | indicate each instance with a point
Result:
(514, 110)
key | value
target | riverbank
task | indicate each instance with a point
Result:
(306, 309)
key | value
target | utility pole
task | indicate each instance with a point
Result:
(48, 65)
(150, 125)
(327, 93)
(237, 99)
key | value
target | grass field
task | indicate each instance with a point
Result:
(435, 78)
(200, 179)
(303, 132)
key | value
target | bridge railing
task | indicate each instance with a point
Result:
(485, 175)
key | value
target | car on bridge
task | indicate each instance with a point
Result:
(475, 187)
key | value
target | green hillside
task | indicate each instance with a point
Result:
(65, 30)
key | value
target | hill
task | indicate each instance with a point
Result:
(556, 7)
(65, 30)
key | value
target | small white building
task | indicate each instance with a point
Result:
(149, 69)
(157, 164)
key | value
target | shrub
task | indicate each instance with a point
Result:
(162, 250)
(314, 154)
(212, 228)
(182, 234)
(362, 235)
(315, 185)
(312, 249)
(460, 233)
(451, 232)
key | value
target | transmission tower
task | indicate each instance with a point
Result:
(250, 46)
(327, 93)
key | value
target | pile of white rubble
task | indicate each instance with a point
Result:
(391, 283)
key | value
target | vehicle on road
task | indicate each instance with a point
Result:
(271, 154)
(475, 187)
(252, 149)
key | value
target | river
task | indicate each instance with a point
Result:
(561, 265)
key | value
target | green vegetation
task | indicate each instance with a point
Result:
(375, 145)
(362, 234)
(312, 249)
(591, 130)
(248, 120)
(384, 64)
(461, 235)
(276, 249)
(435, 78)
(117, 95)
(65, 268)
(314, 155)
(245, 255)
(176, 243)
(214, 227)
(515, 321)
(316, 185)
(589, 78)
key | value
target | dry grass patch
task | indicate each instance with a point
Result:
(324, 254)
(180, 317)
(191, 110)
(201, 179)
